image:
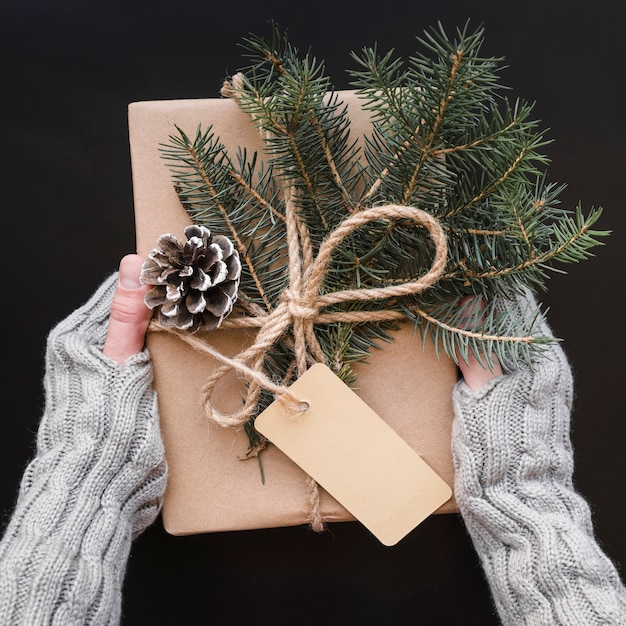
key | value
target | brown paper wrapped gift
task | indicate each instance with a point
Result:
(210, 487)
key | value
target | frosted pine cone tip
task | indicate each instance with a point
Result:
(195, 283)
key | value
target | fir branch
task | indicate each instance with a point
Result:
(306, 128)
(444, 139)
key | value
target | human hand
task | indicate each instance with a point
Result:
(129, 317)
(475, 372)
(87, 398)
(504, 412)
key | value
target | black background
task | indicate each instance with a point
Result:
(69, 70)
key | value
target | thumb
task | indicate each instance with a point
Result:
(130, 316)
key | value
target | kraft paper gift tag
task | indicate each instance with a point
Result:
(350, 451)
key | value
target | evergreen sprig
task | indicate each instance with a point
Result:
(444, 138)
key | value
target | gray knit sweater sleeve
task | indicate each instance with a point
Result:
(531, 529)
(96, 481)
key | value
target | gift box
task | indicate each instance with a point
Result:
(211, 486)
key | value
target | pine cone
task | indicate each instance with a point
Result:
(195, 283)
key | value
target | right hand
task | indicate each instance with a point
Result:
(476, 374)
(506, 413)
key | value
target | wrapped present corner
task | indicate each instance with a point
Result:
(211, 486)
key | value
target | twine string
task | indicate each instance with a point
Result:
(300, 308)
(303, 304)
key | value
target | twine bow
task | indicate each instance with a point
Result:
(301, 307)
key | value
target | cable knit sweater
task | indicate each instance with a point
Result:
(98, 477)
(97, 480)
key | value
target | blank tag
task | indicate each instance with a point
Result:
(352, 453)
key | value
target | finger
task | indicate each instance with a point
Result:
(130, 316)
(476, 372)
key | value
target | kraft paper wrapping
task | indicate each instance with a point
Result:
(210, 488)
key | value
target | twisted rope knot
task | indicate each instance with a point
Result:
(300, 306)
